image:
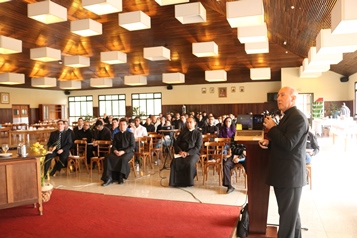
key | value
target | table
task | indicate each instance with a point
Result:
(20, 182)
(43, 133)
(346, 131)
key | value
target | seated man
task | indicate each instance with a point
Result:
(238, 156)
(59, 143)
(121, 152)
(210, 127)
(312, 147)
(86, 134)
(187, 145)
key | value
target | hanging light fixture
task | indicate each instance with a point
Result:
(12, 78)
(157, 53)
(10, 45)
(170, 2)
(70, 84)
(344, 17)
(135, 80)
(257, 47)
(257, 33)
(326, 43)
(47, 12)
(44, 82)
(133, 21)
(101, 82)
(260, 74)
(190, 13)
(303, 74)
(245, 13)
(76, 61)
(173, 78)
(113, 57)
(311, 68)
(86, 27)
(215, 75)
(102, 7)
(317, 59)
(205, 49)
(45, 54)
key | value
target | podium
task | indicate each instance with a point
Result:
(258, 191)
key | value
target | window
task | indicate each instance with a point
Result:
(146, 104)
(80, 106)
(304, 103)
(112, 105)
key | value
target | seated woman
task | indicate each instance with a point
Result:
(187, 146)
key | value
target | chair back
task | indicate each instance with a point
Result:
(156, 141)
(152, 133)
(214, 151)
(81, 147)
(144, 144)
(103, 147)
(227, 143)
(210, 137)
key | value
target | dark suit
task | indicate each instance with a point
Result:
(286, 170)
(112, 163)
(183, 170)
(66, 144)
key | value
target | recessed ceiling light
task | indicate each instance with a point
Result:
(292, 7)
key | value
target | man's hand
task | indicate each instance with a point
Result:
(119, 153)
(183, 154)
(269, 122)
(264, 143)
(60, 151)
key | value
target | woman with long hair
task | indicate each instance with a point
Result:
(228, 129)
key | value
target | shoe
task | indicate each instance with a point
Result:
(109, 181)
(121, 181)
(230, 189)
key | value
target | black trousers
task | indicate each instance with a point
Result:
(228, 165)
(61, 163)
(119, 164)
(288, 204)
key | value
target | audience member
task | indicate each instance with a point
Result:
(210, 128)
(59, 143)
(148, 125)
(312, 147)
(86, 134)
(121, 152)
(187, 146)
(345, 111)
(101, 132)
(115, 127)
(228, 129)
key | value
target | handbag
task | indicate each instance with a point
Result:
(243, 222)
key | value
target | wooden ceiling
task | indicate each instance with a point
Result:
(297, 27)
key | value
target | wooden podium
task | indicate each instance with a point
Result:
(258, 191)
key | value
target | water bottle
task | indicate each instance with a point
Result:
(23, 151)
(137, 168)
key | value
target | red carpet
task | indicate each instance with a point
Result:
(80, 214)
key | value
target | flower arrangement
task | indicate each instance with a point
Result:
(47, 188)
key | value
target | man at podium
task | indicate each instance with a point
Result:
(286, 171)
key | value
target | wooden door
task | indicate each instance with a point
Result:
(20, 114)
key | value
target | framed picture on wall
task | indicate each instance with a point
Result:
(222, 92)
(233, 89)
(5, 97)
(203, 90)
(211, 89)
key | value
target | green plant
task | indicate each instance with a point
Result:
(136, 112)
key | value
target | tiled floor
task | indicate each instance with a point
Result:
(328, 210)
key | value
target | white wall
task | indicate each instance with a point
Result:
(254, 92)
(328, 86)
(33, 97)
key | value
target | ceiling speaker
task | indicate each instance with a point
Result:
(67, 92)
(169, 87)
(344, 79)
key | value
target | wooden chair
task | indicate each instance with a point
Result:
(132, 163)
(239, 169)
(309, 174)
(156, 146)
(214, 158)
(80, 155)
(152, 133)
(103, 148)
(144, 150)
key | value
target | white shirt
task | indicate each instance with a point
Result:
(139, 131)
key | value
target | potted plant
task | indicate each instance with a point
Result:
(46, 187)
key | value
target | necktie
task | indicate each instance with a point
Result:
(59, 141)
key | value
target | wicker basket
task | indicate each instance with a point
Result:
(46, 192)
